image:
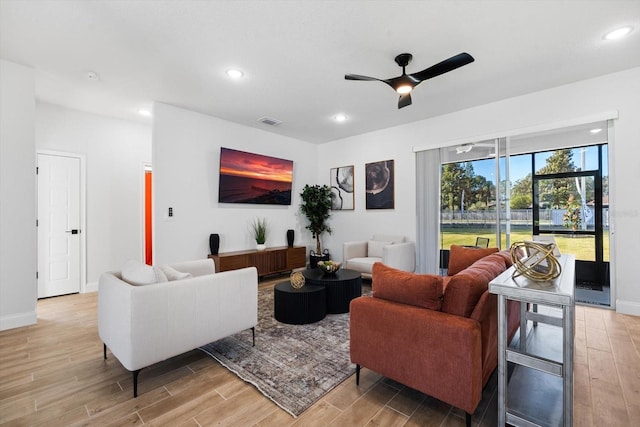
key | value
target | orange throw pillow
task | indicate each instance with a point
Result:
(462, 294)
(421, 290)
(461, 257)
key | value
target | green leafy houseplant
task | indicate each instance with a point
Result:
(316, 206)
(259, 228)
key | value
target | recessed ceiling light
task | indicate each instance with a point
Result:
(144, 112)
(235, 73)
(618, 33)
(340, 117)
(594, 131)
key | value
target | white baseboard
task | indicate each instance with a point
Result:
(90, 287)
(18, 320)
(628, 307)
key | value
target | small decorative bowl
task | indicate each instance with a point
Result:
(329, 267)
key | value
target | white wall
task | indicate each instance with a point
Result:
(17, 192)
(618, 91)
(186, 151)
(115, 151)
(360, 223)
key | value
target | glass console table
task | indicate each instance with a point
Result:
(539, 389)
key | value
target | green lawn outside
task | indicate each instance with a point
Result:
(580, 246)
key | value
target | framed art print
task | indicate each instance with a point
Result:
(341, 183)
(379, 185)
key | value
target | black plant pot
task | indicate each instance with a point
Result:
(290, 236)
(314, 258)
(214, 243)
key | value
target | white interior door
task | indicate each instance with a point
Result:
(58, 225)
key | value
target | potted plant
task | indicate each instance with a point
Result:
(260, 229)
(316, 206)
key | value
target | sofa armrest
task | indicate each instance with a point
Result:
(400, 255)
(437, 353)
(486, 313)
(114, 316)
(353, 250)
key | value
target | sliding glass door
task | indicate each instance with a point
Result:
(552, 183)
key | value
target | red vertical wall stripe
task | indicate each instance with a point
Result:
(147, 219)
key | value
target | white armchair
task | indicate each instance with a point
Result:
(393, 251)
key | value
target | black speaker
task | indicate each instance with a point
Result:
(290, 236)
(214, 243)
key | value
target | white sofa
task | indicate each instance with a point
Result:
(393, 251)
(143, 325)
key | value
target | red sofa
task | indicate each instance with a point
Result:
(436, 335)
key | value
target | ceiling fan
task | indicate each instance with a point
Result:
(405, 83)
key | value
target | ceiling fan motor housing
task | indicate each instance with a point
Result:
(404, 59)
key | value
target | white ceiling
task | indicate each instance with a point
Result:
(295, 54)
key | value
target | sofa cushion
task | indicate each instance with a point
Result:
(422, 290)
(137, 274)
(374, 248)
(506, 256)
(464, 289)
(173, 274)
(461, 257)
(363, 265)
(462, 294)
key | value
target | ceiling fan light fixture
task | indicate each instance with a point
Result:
(618, 33)
(404, 89)
(340, 117)
(464, 148)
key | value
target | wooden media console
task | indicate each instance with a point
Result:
(269, 261)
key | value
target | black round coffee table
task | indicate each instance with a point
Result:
(342, 286)
(299, 306)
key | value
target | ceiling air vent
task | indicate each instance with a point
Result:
(269, 121)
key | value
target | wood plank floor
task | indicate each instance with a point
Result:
(53, 373)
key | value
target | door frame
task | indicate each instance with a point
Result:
(146, 167)
(83, 213)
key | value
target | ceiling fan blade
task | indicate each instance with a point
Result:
(359, 77)
(445, 66)
(404, 100)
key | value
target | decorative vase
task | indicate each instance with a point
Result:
(214, 243)
(261, 246)
(290, 236)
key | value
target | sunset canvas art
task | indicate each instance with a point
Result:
(254, 178)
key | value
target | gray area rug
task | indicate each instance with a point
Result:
(293, 365)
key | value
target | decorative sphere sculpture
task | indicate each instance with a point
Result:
(297, 279)
(535, 260)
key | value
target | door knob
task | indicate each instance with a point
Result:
(74, 231)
